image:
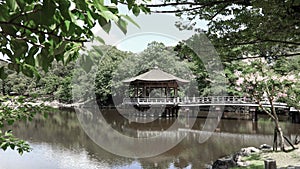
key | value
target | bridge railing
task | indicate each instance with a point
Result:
(217, 99)
(192, 100)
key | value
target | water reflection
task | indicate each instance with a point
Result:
(60, 142)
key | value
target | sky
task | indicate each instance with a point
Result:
(154, 27)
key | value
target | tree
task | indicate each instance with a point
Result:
(204, 63)
(34, 33)
(258, 80)
(106, 70)
(292, 66)
(243, 28)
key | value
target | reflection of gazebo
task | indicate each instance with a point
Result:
(154, 82)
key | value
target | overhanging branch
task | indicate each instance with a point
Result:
(179, 10)
(203, 4)
(255, 57)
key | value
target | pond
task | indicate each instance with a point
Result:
(60, 142)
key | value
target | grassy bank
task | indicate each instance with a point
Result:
(283, 159)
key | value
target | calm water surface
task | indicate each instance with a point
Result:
(59, 142)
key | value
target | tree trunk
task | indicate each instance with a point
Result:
(3, 87)
(279, 135)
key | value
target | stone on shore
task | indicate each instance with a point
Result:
(249, 150)
(224, 163)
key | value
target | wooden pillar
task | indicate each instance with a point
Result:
(166, 91)
(136, 91)
(144, 91)
(218, 111)
(253, 111)
(254, 116)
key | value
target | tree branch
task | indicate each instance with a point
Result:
(203, 4)
(219, 11)
(2, 60)
(266, 111)
(281, 41)
(259, 41)
(179, 10)
(23, 14)
(255, 57)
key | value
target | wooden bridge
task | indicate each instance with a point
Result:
(200, 101)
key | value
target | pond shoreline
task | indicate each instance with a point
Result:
(252, 157)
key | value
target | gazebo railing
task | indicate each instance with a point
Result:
(187, 100)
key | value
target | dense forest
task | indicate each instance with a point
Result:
(114, 65)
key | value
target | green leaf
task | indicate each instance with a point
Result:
(145, 9)
(20, 151)
(128, 18)
(86, 63)
(90, 19)
(106, 26)
(12, 4)
(3, 75)
(10, 121)
(47, 13)
(30, 71)
(30, 60)
(122, 25)
(4, 14)
(33, 50)
(130, 3)
(64, 9)
(109, 16)
(12, 146)
(136, 10)
(99, 39)
(45, 114)
(67, 24)
(4, 145)
(70, 54)
(61, 48)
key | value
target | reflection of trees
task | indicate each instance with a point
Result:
(63, 129)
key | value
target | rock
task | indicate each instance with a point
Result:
(207, 166)
(224, 163)
(249, 150)
(243, 164)
(265, 147)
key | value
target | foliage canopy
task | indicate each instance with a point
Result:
(34, 33)
(243, 28)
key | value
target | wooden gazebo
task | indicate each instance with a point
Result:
(164, 84)
(155, 88)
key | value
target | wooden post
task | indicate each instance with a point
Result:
(254, 116)
(144, 91)
(270, 164)
(253, 111)
(218, 109)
